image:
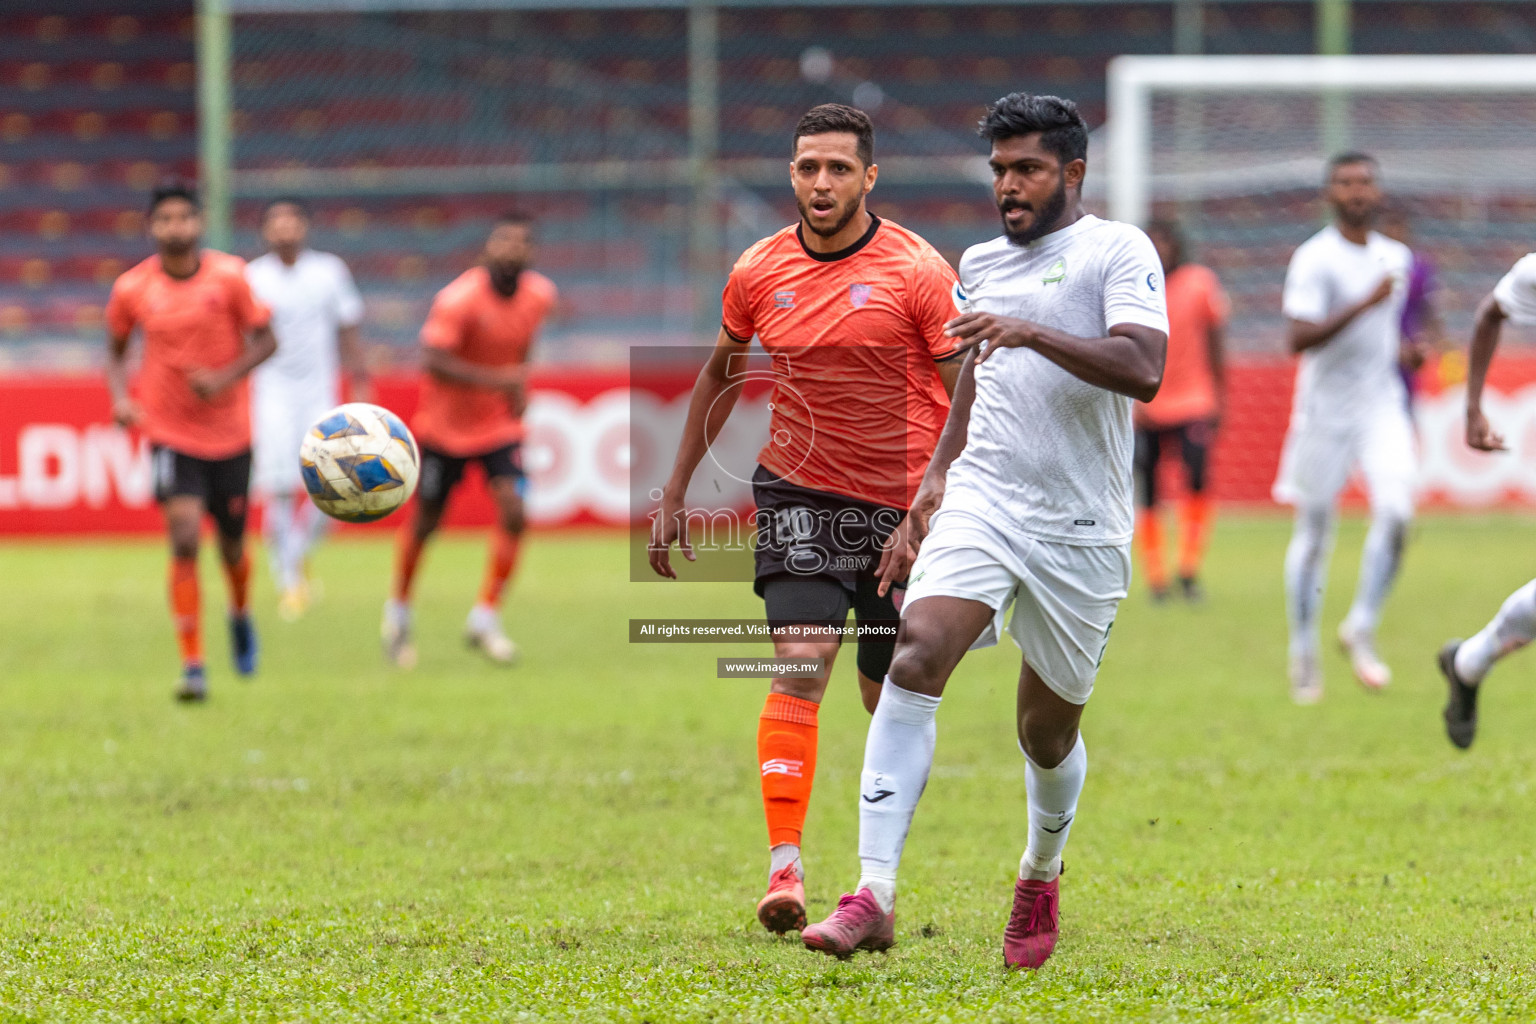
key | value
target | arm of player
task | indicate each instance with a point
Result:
(1488, 323)
(445, 366)
(708, 408)
(900, 549)
(349, 346)
(1216, 357)
(125, 412)
(208, 382)
(1305, 334)
(1128, 361)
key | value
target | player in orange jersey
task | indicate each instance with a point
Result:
(1186, 411)
(475, 347)
(853, 309)
(204, 331)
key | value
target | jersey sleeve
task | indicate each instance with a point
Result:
(1133, 285)
(249, 311)
(1306, 288)
(349, 303)
(444, 328)
(1516, 291)
(933, 301)
(736, 303)
(122, 313)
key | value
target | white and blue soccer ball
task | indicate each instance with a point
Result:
(359, 463)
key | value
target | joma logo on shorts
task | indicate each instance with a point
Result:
(1084, 522)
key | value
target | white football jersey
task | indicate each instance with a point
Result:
(310, 301)
(1516, 291)
(1048, 454)
(1353, 374)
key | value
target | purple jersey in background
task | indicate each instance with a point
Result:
(1421, 284)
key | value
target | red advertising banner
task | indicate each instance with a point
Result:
(64, 469)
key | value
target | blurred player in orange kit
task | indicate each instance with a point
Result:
(475, 347)
(853, 307)
(204, 331)
(1186, 412)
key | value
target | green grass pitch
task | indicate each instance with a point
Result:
(580, 838)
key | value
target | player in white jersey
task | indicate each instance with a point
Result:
(1343, 301)
(1464, 663)
(1032, 485)
(316, 311)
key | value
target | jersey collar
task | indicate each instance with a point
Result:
(841, 254)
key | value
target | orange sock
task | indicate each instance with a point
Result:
(407, 555)
(1149, 537)
(1194, 522)
(504, 551)
(786, 755)
(186, 603)
(239, 578)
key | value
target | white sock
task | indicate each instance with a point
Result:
(278, 527)
(1378, 568)
(1053, 796)
(897, 757)
(1511, 629)
(483, 617)
(1306, 574)
(783, 855)
(397, 612)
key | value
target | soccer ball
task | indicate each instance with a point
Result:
(359, 463)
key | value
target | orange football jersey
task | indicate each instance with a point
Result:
(857, 403)
(193, 323)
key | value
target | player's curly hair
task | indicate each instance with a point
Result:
(838, 117)
(1061, 128)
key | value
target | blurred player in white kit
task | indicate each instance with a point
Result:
(316, 311)
(1343, 303)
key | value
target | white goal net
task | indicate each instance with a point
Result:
(1234, 149)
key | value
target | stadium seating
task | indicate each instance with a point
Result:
(101, 105)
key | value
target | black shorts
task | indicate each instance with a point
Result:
(222, 484)
(441, 473)
(1194, 440)
(816, 557)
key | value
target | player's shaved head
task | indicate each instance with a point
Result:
(837, 117)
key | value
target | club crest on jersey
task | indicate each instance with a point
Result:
(858, 294)
(1056, 273)
(783, 300)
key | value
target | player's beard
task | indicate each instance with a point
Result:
(1045, 217)
(1357, 217)
(842, 222)
(177, 247)
(504, 277)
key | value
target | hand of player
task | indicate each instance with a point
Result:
(515, 386)
(1379, 295)
(669, 525)
(896, 556)
(1412, 354)
(1481, 436)
(207, 382)
(997, 331)
(125, 412)
(930, 494)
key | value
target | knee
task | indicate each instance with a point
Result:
(512, 519)
(918, 666)
(184, 538)
(1044, 742)
(424, 524)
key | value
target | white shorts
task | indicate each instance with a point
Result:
(1317, 461)
(1064, 596)
(280, 416)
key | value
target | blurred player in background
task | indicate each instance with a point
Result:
(1030, 497)
(475, 348)
(204, 332)
(315, 314)
(1344, 296)
(1422, 328)
(1186, 411)
(857, 307)
(1465, 663)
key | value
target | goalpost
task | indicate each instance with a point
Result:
(1187, 127)
(1234, 149)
